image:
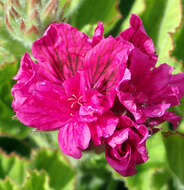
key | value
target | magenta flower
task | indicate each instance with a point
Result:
(145, 90)
(100, 91)
(126, 147)
(72, 87)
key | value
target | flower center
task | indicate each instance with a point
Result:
(75, 103)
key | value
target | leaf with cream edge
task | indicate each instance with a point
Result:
(34, 181)
(153, 14)
(61, 174)
(170, 21)
(179, 41)
(51, 166)
(14, 167)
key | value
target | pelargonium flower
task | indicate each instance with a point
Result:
(72, 86)
(145, 90)
(105, 91)
(126, 147)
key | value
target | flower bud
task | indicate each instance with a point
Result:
(27, 20)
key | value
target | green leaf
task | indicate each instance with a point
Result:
(170, 21)
(137, 8)
(7, 185)
(13, 167)
(61, 174)
(160, 180)
(36, 181)
(82, 14)
(152, 17)
(179, 41)
(174, 144)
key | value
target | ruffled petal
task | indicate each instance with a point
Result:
(168, 116)
(73, 138)
(45, 106)
(126, 147)
(159, 78)
(119, 137)
(177, 80)
(95, 104)
(119, 165)
(137, 35)
(147, 91)
(128, 100)
(104, 127)
(105, 64)
(61, 50)
(140, 68)
(38, 102)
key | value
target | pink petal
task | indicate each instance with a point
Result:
(119, 137)
(98, 34)
(168, 116)
(61, 50)
(95, 104)
(27, 69)
(128, 100)
(119, 165)
(125, 122)
(105, 64)
(137, 35)
(45, 108)
(140, 68)
(73, 138)
(156, 110)
(159, 78)
(177, 80)
(103, 127)
(72, 85)
(126, 147)
(147, 91)
(143, 132)
(38, 102)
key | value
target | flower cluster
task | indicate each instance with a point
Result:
(101, 91)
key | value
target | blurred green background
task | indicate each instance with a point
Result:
(32, 161)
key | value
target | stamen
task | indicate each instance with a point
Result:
(74, 100)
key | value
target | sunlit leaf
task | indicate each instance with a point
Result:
(170, 21)
(89, 12)
(60, 172)
(174, 144)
